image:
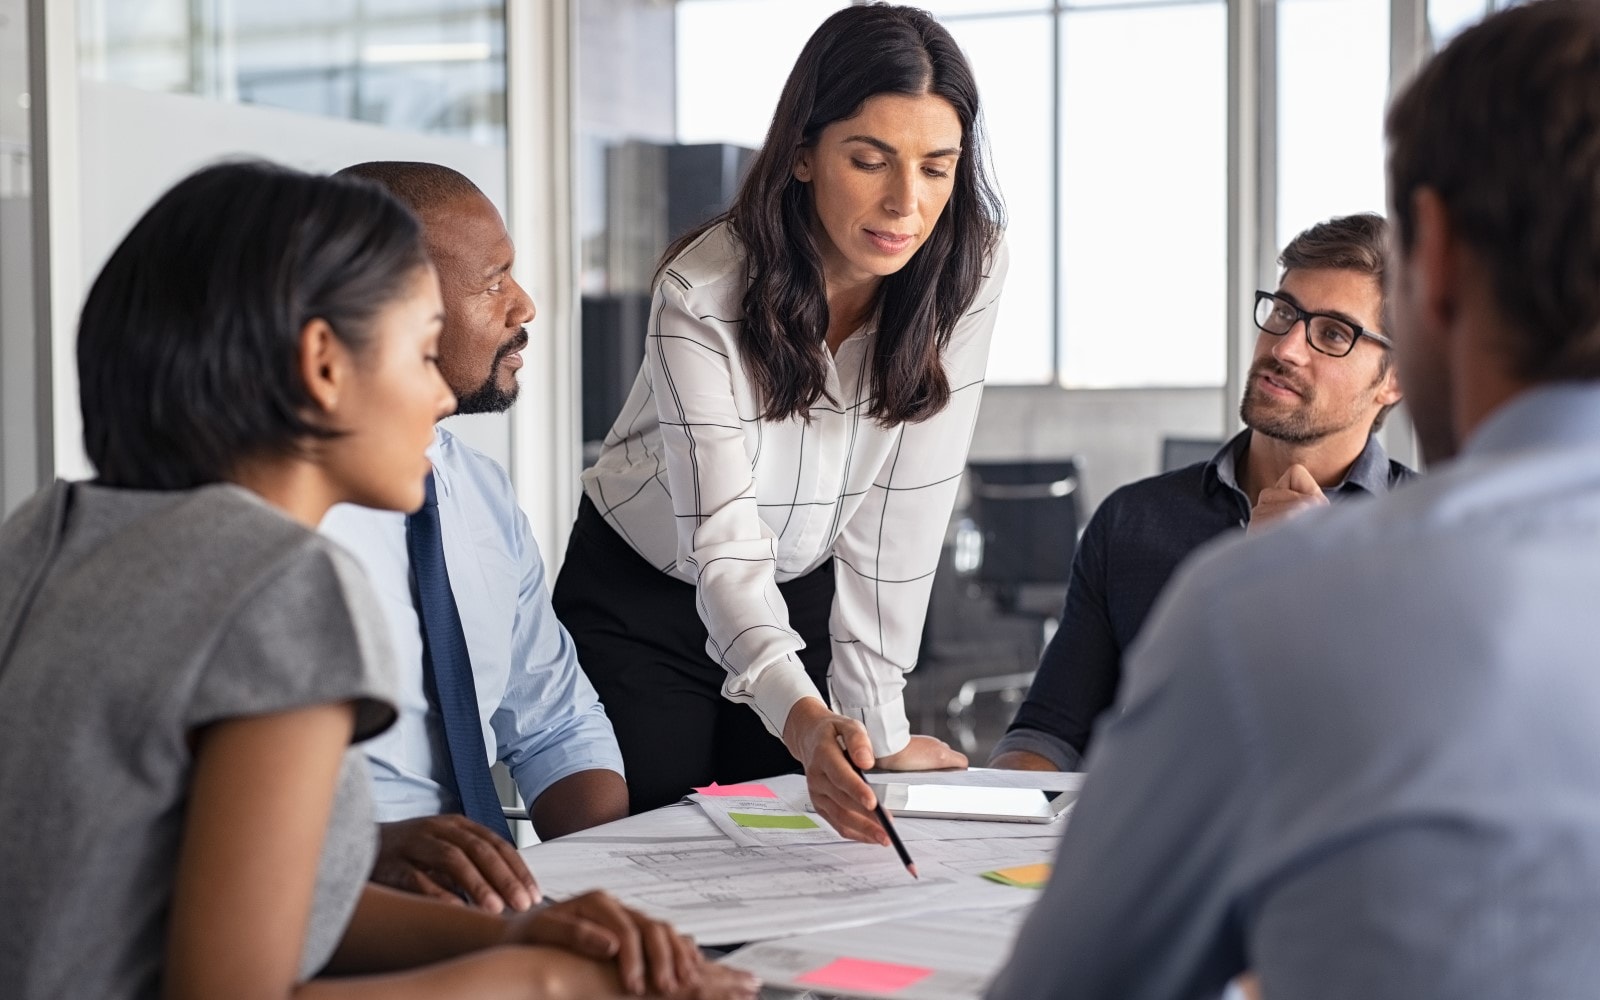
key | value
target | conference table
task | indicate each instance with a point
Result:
(755, 876)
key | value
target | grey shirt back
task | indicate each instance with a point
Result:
(128, 621)
(1359, 754)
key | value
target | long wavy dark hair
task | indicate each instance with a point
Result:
(856, 54)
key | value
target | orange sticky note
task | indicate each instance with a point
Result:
(1022, 876)
(746, 791)
(860, 974)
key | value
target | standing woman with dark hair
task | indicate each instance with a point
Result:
(765, 520)
(185, 663)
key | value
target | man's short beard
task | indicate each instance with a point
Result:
(1297, 427)
(1290, 428)
(488, 397)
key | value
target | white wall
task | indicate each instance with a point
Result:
(134, 144)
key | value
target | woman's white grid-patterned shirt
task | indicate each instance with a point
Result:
(707, 491)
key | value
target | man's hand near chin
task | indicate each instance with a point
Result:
(1294, 492)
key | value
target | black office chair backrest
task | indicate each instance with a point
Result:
(1028, 513)
(1181, 452)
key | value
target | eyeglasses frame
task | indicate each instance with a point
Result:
(1304, 318)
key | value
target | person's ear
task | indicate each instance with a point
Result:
(325, 364)
(802, 165)
(1389, 392)
(1434, 265)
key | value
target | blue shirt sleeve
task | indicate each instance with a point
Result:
(550, 724)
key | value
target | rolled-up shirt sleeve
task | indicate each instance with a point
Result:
(550, 723)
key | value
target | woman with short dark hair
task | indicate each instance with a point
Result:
(185, 665)
(768, 511)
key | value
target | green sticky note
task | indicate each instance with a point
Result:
(773, 821)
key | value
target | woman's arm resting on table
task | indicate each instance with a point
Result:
(258, 812)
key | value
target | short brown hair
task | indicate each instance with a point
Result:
(1357, 243)
(1347, 243)
(1504, 125)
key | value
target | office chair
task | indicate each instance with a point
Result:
(1179, 452)
(1025, 516)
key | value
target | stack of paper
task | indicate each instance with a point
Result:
(754, 816)
(950, 955)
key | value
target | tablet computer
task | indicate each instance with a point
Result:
(1004, 805)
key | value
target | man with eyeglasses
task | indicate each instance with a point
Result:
(1321, 383)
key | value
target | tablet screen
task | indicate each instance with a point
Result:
(1012, 805)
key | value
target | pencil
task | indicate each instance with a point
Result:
(888, 827)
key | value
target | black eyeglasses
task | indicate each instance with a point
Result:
(1327, 334)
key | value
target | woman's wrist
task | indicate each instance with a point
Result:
(804, 714)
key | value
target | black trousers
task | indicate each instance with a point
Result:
(641, 641)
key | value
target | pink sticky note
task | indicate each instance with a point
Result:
(747, 791)
(860, 974)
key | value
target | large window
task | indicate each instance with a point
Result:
(1107, 129)
(1330, 145)
(1012, 58)
(1143, 222)
(714, 48)
(434, 66)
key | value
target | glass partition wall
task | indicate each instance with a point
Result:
(435, 66)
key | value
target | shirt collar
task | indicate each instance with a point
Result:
(441, 475)
(1223, 469)
(1370, 472)
(1558, 414)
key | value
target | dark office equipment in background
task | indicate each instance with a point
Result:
(1181, 452)
(613, 348)
(657, 193)
(701, 182)
(1028, 515)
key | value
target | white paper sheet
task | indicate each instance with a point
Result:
(674, 863)
(987, 777)
(721, 893)
(726, 811)
(960, 949)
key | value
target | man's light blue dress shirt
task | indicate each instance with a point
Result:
(1359, 754)
(540, 714)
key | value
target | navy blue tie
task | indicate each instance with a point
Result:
(447, 668)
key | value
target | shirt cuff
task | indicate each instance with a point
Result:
(887, 725)
(1052, 748)
(780, 685)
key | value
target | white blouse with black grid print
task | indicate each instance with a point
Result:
(707, 491)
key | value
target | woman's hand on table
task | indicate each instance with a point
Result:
(820, 739)
(923, 753)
